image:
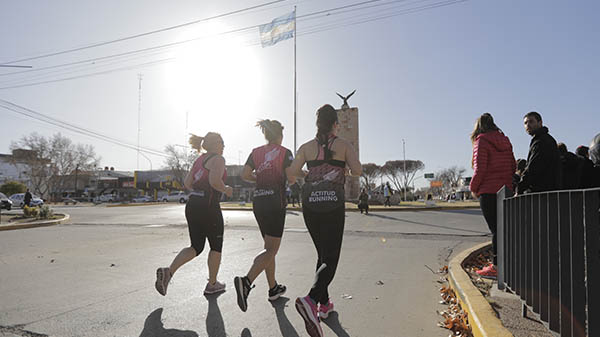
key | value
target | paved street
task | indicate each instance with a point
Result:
(95, 275)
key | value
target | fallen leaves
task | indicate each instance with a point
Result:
(454, 318)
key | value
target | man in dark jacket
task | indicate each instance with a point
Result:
(543, 171)
(27, 198)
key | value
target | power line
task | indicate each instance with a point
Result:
(315, 29)
(327, 12)
(74, 128)
(143, 34)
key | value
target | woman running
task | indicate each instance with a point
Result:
(269, 167)
(203, 212)
(327, 157)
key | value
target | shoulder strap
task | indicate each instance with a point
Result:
(209, 156)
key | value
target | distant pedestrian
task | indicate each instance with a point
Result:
(572, 167)
(295, 193)
(363, 202)
(543, 171)
(269, 167)
(521, 164)
(595, 157)
(387, 193)
(493, 167)
(27, 198)
(202, 212)
(323, 208)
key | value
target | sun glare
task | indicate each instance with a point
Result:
(215, 79)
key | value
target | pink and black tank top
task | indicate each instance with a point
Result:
(201, 185)
(269, 163)
(324, 187)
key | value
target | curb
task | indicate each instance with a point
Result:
(372, 210)
(136, 204)
(35, 224)
(482, 317)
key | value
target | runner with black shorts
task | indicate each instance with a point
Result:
(203, 212)
(323, 207)
(267, 166)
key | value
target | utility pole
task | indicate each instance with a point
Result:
(405, 174)
(139, 115)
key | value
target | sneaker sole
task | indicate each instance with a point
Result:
(160, 277)
(214, 292)
(239, 289)
(304, 310)
(324, 315)
(489, 277)
(276, 297)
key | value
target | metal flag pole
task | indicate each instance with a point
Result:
(295, 88)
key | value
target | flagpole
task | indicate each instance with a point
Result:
(295, 88)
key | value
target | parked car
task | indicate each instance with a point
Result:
(18, 200)
(107, 198)
(143, 198)
(5, 202)
(180, 196)
(69, 201)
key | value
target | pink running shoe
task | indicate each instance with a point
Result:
(325, 310)
(488, 272)
(163, 276)
(214, 288)
(309, 312)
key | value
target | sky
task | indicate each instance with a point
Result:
(422, 76)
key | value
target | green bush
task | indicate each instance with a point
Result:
(46, 212)
(11, 187)
(30, 212)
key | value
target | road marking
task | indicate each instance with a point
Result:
(299, 230)
(153, 226)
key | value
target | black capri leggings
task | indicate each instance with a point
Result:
(204, 222)
(326, 230)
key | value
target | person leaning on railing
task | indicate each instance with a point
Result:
(493, 164)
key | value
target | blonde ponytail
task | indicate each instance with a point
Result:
(196, 142)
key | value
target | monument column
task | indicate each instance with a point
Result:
(348, 119)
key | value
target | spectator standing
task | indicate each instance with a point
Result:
(571, 168)
(387, 193)
(543, 171)
(363, 202)
(493, 167)
(27, 198)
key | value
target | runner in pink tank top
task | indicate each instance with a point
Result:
(206, 180)
(267, 166)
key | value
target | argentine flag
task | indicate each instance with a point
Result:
(281, 28)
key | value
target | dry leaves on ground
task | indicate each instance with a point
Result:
(454, 318)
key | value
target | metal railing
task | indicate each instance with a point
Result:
(549, 255)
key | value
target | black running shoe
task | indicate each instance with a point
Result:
(276, 292)
(242, 288)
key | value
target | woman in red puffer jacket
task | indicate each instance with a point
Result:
(493, 167)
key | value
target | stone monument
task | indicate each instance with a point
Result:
(348, 119)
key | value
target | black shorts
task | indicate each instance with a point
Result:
(270, 221)
(204, 222)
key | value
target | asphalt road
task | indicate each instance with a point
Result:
(95, 275)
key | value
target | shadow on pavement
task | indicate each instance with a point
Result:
(286, 327)
(246, 333)
(464, 211)
(214, 321)
(333, 322)
(153, 326)
(387, 217)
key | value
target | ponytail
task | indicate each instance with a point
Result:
(272, 129)
(326, 118)
(196, 142)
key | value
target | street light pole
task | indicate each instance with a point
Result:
(405, 174)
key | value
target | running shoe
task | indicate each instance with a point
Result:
(489, 272)
(163, 276)
(214, 288)
(242, 288)
(325, 309)
(276, 292)
(307, 308)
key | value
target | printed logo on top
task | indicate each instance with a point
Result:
(269, 157)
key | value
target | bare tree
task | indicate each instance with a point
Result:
(179, 162)
(52, 160)
(451, 176)
(370, 172)
(401, 178)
